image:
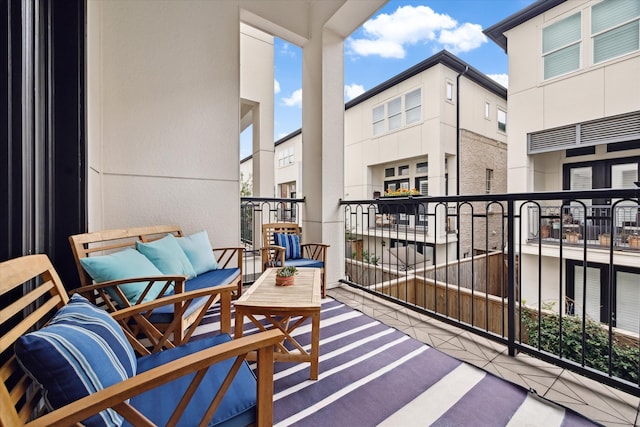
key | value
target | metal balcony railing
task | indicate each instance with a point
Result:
(549, 274)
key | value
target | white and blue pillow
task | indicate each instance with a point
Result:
(81, 351)
(291, 243)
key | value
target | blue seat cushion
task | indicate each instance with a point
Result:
(236, 409)
(82, 350)
(302, 262)
(218, 277)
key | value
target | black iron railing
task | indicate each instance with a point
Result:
(548, 274)
(254, 212)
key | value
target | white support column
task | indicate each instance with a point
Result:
(323, 146)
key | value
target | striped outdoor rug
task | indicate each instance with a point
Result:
(371, 374)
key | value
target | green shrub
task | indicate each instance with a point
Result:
(625, 355)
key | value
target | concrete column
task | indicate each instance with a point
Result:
(263, 152)
(323, 146)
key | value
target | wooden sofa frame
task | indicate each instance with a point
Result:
(23, 311)
(108, 241)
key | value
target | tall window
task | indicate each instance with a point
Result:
(561, 46)
(286, 157)
(394, 110)
(378, 120)
(413, 106)
(615, 28)
(487, 110)
(449, 91)
(489, 181)
(502, 120)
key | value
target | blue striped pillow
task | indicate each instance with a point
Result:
(82, 350)
(291, 243)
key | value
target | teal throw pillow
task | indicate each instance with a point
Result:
(125, 264)
(198, 249)
(168, 256)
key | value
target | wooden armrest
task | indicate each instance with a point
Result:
(317, 251)
(225, 256)
(116, 395)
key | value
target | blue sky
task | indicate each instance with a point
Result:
(401, 34)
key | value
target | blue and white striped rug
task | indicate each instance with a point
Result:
(372, 374)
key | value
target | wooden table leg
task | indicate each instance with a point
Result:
(239, 329)
(315, 344)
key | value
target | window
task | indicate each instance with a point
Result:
(378, 120)
(591, 294)
(502, 120)
(615, 28)
(449, 91)
(561, 46)
(489, 181)
(413, 106)
(422, 167)
(394, 110)
(422, 185)
(403, 170)
(286, 157)
(487, 110)
(389, 172)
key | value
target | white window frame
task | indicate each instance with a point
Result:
(448, 91)
(378, 120)
(410, 109)
(501, 122)
(563, 46)
(609, 32)
(487, 110)
(394, 113)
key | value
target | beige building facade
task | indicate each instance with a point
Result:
(574, 124)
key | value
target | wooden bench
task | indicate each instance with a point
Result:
(227, 278)
(210, 370)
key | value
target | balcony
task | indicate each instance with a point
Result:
(448, 260)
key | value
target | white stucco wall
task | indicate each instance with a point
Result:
(163, 115)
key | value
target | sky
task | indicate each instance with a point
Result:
(399, 35)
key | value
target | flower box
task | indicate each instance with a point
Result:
(634, 241)
(393, 205)
(605, 239)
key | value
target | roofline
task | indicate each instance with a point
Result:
(496, 31)
(443, 57)
(288, 137)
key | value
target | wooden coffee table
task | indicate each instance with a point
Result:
(285, 308)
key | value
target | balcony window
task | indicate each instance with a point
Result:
(615, 28)
(403, 170)
(389, 172)
(561, 46)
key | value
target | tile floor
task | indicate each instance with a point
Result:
(596, 401)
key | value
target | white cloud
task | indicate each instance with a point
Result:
(352, 90)
(295, 100)
(503, 79)
(276, 86)
(389, 35)
(463, 38)
(286, 50)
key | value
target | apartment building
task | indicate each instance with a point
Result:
(574, 124)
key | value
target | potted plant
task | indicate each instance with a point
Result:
(572, 236)
(634, 241)
(285, 275)
(605, 239)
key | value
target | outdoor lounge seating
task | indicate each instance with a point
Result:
(281, 245)
(143, 263)
(65, 361)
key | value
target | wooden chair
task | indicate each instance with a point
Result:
(312, 254)
(31, 293)
(225, 282)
